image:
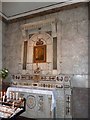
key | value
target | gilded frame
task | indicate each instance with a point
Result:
(39, 54)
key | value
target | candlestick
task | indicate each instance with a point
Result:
(3, 98)
(17, 96)
(13, 96)
(20, 98)
(13, 104)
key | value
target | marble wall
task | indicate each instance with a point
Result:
(80, 103)
(72, 48)
(0, 51)
(0, 43)
(72, 45)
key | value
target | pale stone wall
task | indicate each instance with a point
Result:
(0, 44)
(72, 45)
(0, 50)
(72, 51)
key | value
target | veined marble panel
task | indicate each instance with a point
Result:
(81, 13)
(0, 44)
(30, 54)
(69, 30)
(83, 28)
(66, 16)
(60, 102)
(80, 103)
(49, 53)
(80, 81)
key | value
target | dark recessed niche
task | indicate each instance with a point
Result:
(25, 55)
(55, 53)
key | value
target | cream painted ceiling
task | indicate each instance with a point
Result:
(15, 8)
(10, 9)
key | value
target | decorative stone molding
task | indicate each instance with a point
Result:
(39, 42)
(38, 24)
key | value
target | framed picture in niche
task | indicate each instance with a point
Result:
(39, 54)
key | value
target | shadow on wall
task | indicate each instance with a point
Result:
(80, 103)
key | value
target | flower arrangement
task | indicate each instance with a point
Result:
(4, 73)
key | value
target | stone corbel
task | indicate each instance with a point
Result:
(24, 34)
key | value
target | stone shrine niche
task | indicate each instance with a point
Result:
(41, 45)
(41, 48)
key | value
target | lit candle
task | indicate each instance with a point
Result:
(16, 95)
(1, 94)
(4, 93)
(20, 98)
(13, 96)
(13, 104)
(3, 98)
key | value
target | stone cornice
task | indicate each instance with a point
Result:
(40, 13)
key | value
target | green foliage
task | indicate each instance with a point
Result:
(4, 73)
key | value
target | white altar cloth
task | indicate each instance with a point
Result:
(37, 91)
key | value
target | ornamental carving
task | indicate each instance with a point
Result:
(39, 42)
